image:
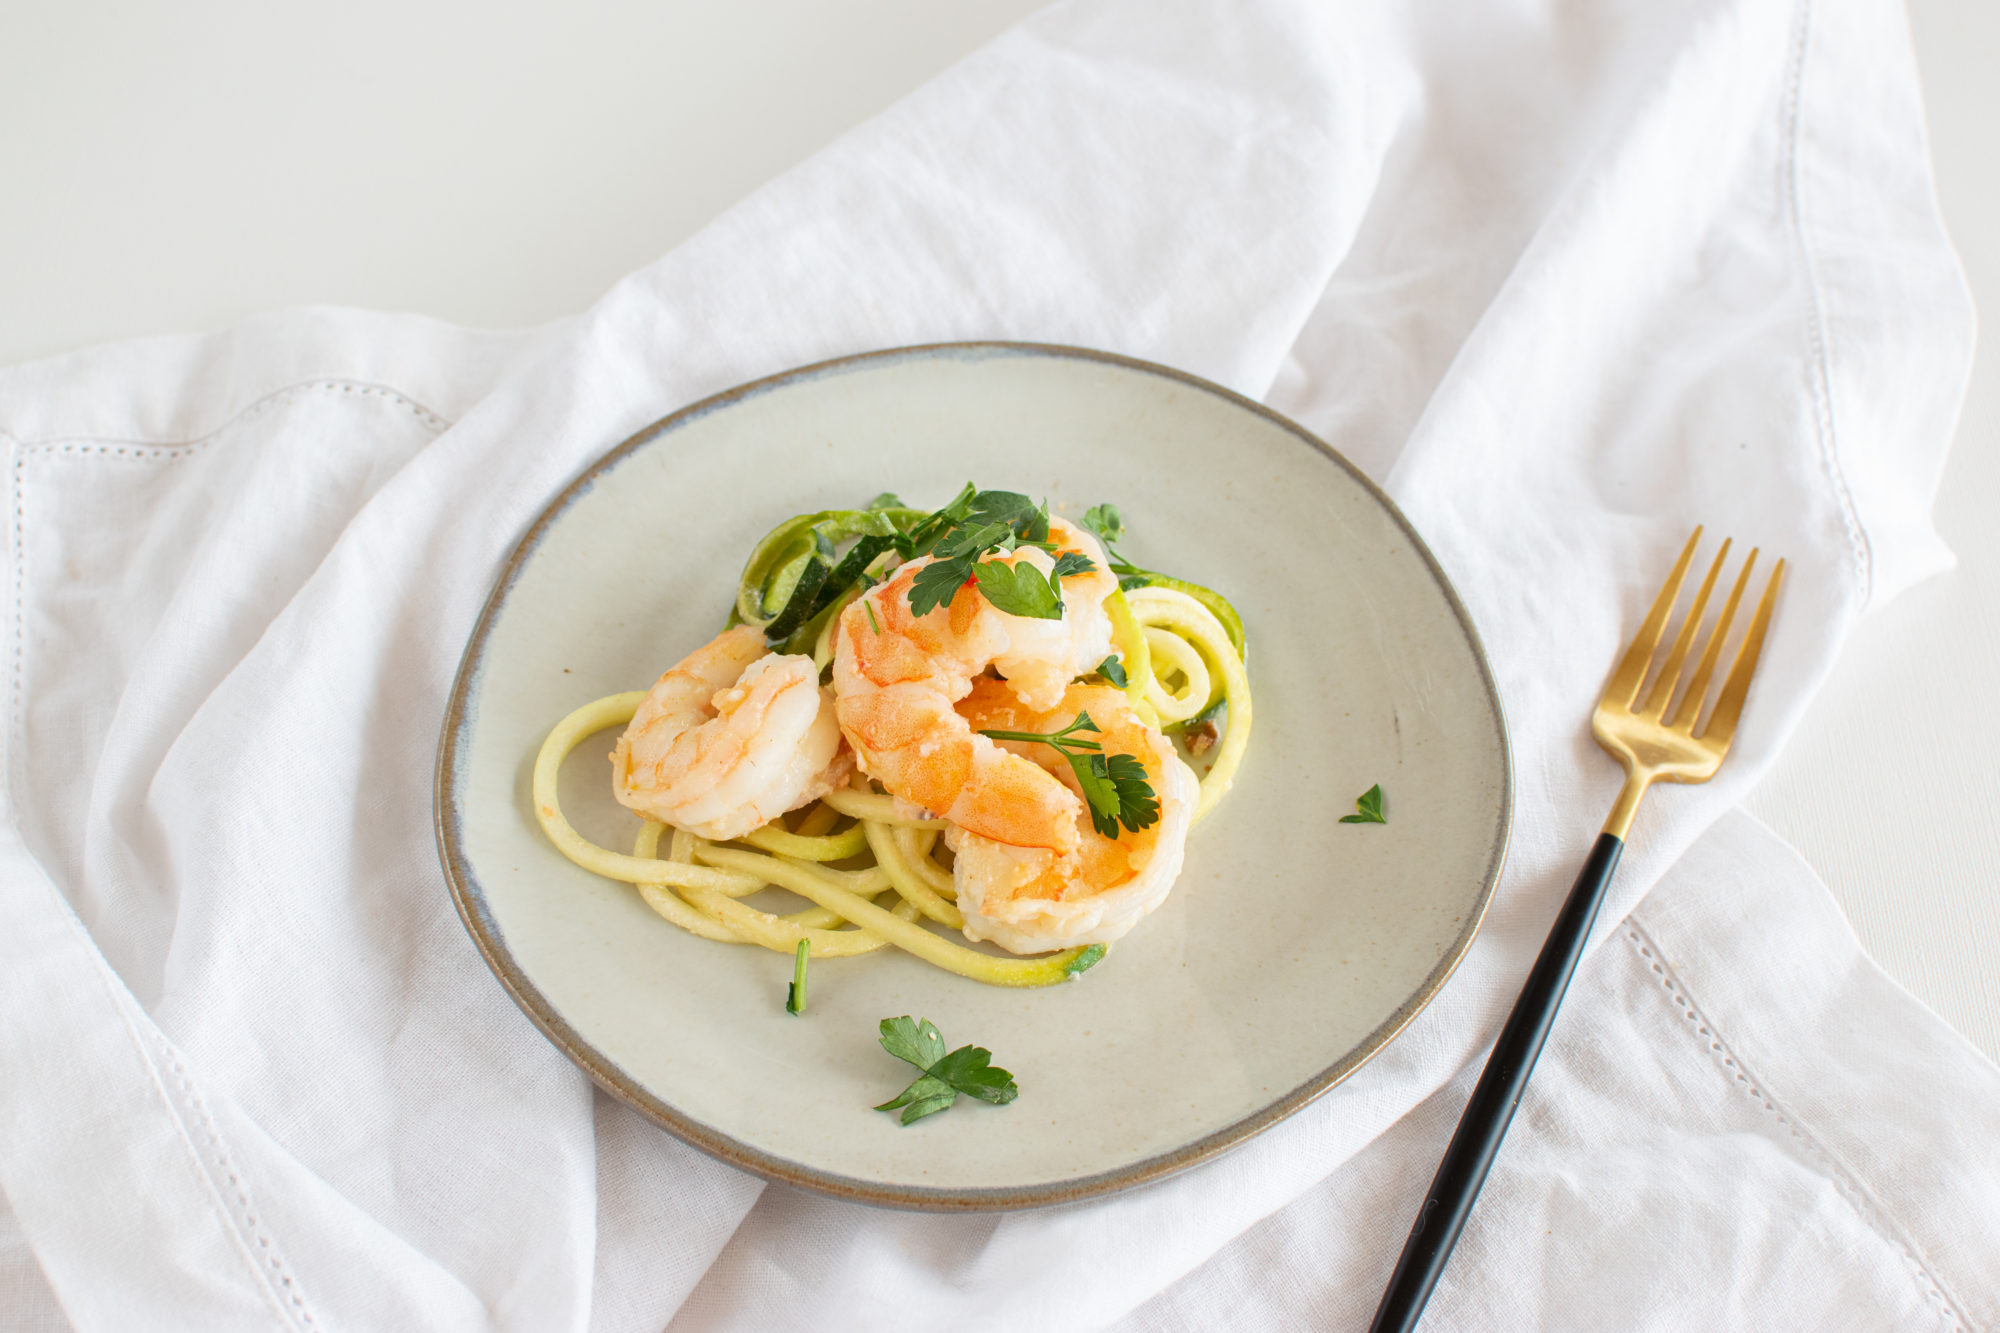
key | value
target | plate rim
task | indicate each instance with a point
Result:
(468, 896)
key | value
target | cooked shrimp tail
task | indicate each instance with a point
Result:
(729, 738)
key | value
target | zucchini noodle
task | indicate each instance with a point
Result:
(1175, 654)
(1133, 649)
(699, 894)
(865, 860)
(1159, 608)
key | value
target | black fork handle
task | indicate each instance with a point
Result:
(1488, 1114)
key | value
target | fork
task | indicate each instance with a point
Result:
(1654, 746)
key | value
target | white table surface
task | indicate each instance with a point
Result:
(171, 168)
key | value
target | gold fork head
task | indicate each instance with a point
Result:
(1633, 721)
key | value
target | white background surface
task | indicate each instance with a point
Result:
(175, 168)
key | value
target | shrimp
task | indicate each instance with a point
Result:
(729, 738)
(1030, 899)
(897, 675)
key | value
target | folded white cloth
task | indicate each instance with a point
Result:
(1565, 281)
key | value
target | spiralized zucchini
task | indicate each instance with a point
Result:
(1185, 619)
(699, 894)
(870, 872)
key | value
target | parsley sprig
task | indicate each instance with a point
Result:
(961, 540)
(969, 1070)
(1109, 525)
(799, 575)
(1114, 786)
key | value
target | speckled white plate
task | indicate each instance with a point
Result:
(1294, 946)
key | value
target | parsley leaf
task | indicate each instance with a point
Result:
(937, 583)
(917, 1042)
(1138, 807)
(1068, 563)
(1018, 589)
(1117, 791)
(1099, 791)
(1113, 670)
(973, 541)
(926, 1096)
(969, 1070)
(919, 539)
(1028, 519)
(1106, 522)
(1114, 787)
(1367, 807)
(1109, 525)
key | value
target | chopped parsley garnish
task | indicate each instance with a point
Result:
(1114, 786)
(873, 624)
(1086, 960)
(979, 524)
(1113, 670)
(968, 1070)
(795, 994)
(937, 583)
(1367, 808)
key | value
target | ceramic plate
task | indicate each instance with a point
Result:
(1294, 946)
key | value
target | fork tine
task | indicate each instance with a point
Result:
(1697, 691)
(1662, 692)
(1623, 687)
(1722, 722)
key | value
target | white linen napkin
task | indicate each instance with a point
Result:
(1566, 282)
